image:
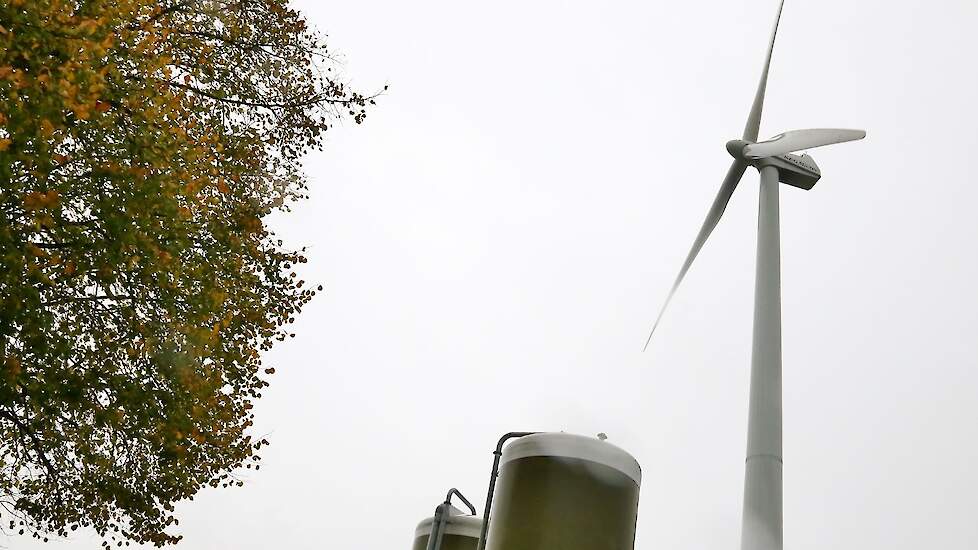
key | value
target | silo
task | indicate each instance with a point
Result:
(461, 533)
(559, 491)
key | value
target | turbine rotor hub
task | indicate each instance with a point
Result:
(736, 148)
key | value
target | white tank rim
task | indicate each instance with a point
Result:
(573, 446)
(465, 526)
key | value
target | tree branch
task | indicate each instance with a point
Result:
(38, 444)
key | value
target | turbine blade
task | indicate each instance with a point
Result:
(796, 140)
(712, 217)
(754, 119)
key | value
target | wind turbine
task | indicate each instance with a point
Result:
(762, 517)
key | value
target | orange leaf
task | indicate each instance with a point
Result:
(46, 127)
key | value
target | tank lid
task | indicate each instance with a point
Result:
(573, 446)
(466, 526)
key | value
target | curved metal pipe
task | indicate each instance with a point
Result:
(454, 491)
(497, 454)
(442, 511)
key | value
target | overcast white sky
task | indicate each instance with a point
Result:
(497, 237)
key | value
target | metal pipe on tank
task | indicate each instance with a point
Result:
(497, 454)
(438, 520)
(442, 511)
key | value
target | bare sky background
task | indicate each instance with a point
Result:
(497, 238)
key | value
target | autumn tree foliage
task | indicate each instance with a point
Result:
(142, 144)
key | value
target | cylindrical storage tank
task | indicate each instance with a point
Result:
(461, 533)
(560, 491)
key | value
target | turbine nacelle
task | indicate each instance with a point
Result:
(795, 170)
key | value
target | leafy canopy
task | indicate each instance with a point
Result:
(142, 143)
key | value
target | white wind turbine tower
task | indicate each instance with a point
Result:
(762, 518)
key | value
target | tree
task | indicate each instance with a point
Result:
(142, 143)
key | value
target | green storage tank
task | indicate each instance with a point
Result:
(461, 533)
(559, 491)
